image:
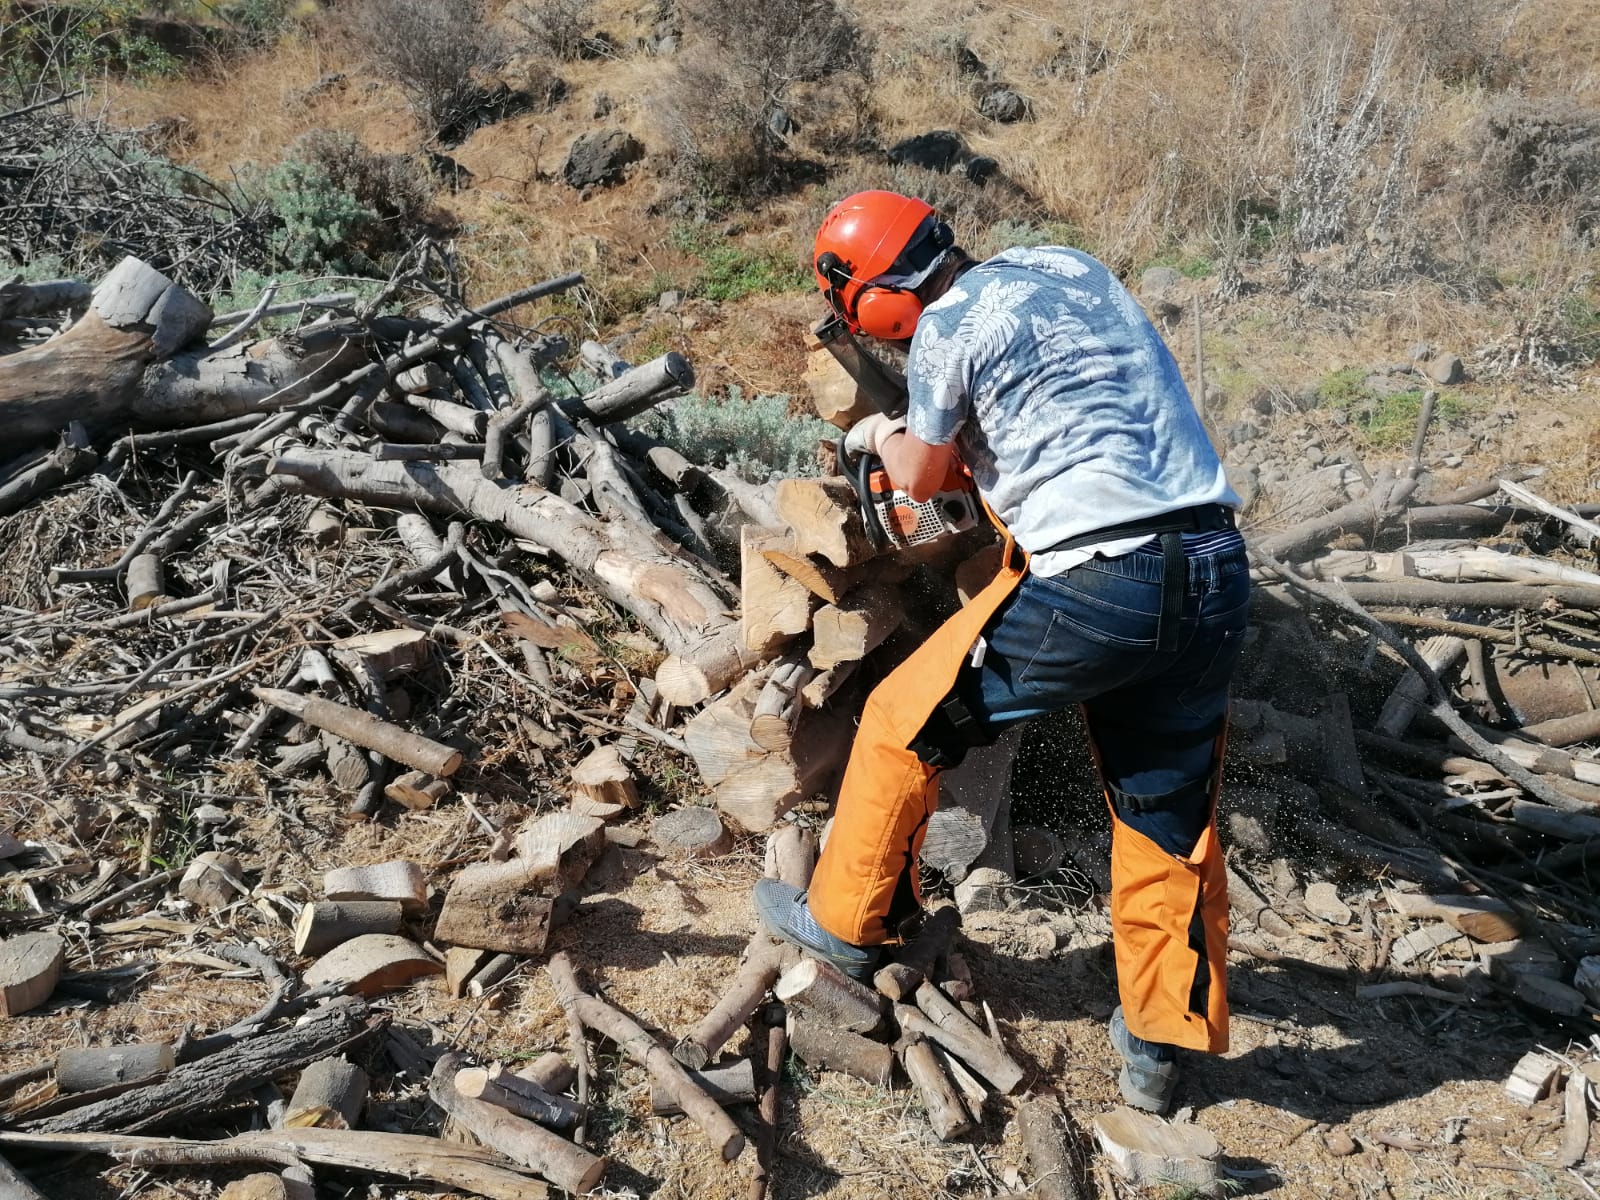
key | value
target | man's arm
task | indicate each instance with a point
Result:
(914, 466)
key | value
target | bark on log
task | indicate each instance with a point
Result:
(1044, 1149)
(1565, 731)
(30, 966)
(409, 1157)
(146, 583)
(792, 856)
(825, 519)
(365, 730)
(678, 604)
(606, 779)
(563, 1163)
(634, 391)
(818, 1045)
(1365, 515)
(821, 991)
(639, 1045)
(971, 797)
(762, 963)
(946, 1112)
(856, 626)
(952, 1029)
(199, 1087)
(398, 880)
(495, 1085)
(502, 906)
(727, 1083)
(1523, 596)
(89, 1068)
(330, 1094)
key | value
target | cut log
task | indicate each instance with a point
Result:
(1531, 1079)
(851, 629)
(605, 778)
(1481, 918)
(947, 1114)
(515, 1093)
(550, 1071)
(835, 395)
(822, 579)
(386, 652)
(678, 604)
(196, 1088)
(792, 856)
(760, 790)
(970, 800)
(825, 684)
(1044, 1149)
(636, 390)
(213, 880)
(564, 1164)
(409, 1157)
(30, 966)
(718, 737)
(778, 705)
(416, 790)
(89, 1068)
(639, 1045)
(371, 964)
(818, 1045)
(502, 906)
(460, 964)
(774, 608)
(1565, 731)
(822, 992)
(732, 1082)
(330, 1095)
(565, 845)
(901, 978)
(1572, 827)
(398, 880)
(492, 972)
(1150, 1152)
(691, 832)
(825, 519)
(762, 963)
(146, 582)
(401, 745)
(1410, 694)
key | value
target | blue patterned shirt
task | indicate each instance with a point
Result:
(1062, 399)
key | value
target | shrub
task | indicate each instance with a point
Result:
(435, 52)
(53, 48)
(318, 221)
(743, 83)
(757, 438)
(1545, 153)
(558, 28)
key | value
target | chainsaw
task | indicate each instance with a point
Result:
(892, 518)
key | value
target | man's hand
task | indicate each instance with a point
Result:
(868, 435)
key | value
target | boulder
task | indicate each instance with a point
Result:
(937, 150)
(980, 168)
(1003, 105)
(600, 158)
(1157, 281)
(1445, 369)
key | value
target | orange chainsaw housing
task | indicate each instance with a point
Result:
(907, 522)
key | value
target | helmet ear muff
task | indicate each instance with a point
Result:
(887, 313)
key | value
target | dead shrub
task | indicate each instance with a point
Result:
(557, 28)
(1543, 153)
(972, 209)
(751, 74)
(437, 52)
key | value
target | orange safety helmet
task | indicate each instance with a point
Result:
(873, 250)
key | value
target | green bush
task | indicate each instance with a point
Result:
(758, 438)
(318, 219)
(1344, 388)
(729, 271)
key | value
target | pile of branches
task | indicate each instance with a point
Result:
(77, 190)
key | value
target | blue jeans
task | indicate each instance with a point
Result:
(1088, 637)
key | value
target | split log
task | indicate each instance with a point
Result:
(329, 1095)
(851, 629)
(605, 778)
(563, 1163)
(1481, 918)
(718, 737)
(30, 966)
(506, 906)
(1150, 1152)
(416, 790)
(828, 583)
(691, 832)
(212, 880)
(678, 604)
(1044, 1149)
(197, 1088)
(818, 1045)
(565, 845)
(824, 517)
(760, 790)
(952, 1029)
(639, 1045)
(371, 964)
(406, 1156)
(773, 607)
(732, 1082)
(947, 1114)
(1575, 1133)
(398, 880)
(89, 1068)
(792, 856)
(822, 992)
(1410, 694)
(514, 1093)
(779, 705)
(901, 978)
(365, 730)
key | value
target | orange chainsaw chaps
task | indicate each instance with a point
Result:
(889, 793)
(1169, 994)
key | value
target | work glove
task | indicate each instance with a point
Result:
(868, 435)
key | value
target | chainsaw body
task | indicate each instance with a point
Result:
(894, 520)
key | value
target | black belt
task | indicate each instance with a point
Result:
(1170, 526)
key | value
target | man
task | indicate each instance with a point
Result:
(1124, 590)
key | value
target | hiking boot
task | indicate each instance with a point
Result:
(783, 910)
(1149, 1069)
